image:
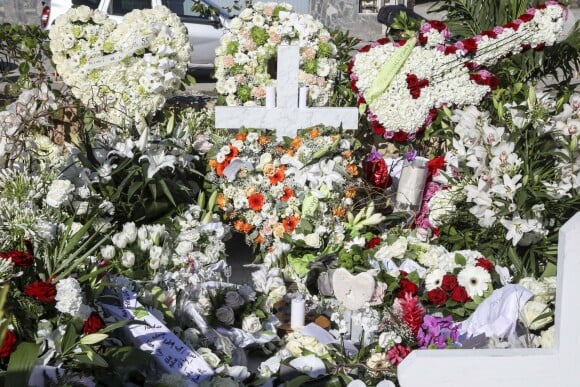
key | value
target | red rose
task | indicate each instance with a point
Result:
(489, 33)
(470, 45)
(93, 324)
(486, 264)
(449, 282)
(8, 344)
(377, 173)
(41, 291)
(450, 50)
(407, 286)
(437, 296)
(400, 136)
(374, 242)
(459, 294)
(19, 258)
(437, 24)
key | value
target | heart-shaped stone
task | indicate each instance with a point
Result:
(124, 71)
(353, 291)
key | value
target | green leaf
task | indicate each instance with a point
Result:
(460, 260)
(167, 192)
(21, 364)
(93, 338)
(92, 358)
(70, 337)
(121, 324)
(140, 312)
(549, 271)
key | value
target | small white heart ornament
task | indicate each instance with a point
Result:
(353, 291)
(124, 71)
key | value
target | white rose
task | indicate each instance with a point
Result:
(539, 288)
(211, 358)
(251, 324)
(246, 14)
(396, 250)
(312, 240)
(225, 315)
(534, 309)
(128, 259)
(233, 299)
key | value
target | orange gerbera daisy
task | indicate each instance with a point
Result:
(290, 223)
(314, 133)
(241, 226)
(213, 163)
(234, 152)
(278, 176)
(263, 140)
(220, 168)
(288, 193)
(241, 136)
(221, 200)
(295, 144)
(256, 201)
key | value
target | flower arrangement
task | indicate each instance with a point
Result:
(243, 58)
(300, 187)
(123, 71)
(394, 79)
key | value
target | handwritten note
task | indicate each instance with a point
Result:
(169, 351)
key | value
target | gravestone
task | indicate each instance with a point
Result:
(286, 117)
(515, 367)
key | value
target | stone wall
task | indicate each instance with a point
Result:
(20, 11)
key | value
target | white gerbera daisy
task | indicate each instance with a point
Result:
(433, 279)
(474, 279)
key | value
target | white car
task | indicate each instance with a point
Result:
(204, 31)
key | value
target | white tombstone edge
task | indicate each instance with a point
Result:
(558, 367)
(286, 117)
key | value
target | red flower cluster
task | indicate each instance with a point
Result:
(449, 289)
(414, 84)
(43, 291)
(373, 242)
(486, 264)
(377, 173)
(407, 287)
(19, 258)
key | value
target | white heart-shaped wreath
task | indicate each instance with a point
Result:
(124, 70)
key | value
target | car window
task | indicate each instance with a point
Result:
(122, 7)
(92, 4)
(183, 8)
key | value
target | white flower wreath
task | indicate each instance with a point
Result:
(126, 70)
(246, 50)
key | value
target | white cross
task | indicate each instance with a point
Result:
(286, 117)
(559, 366)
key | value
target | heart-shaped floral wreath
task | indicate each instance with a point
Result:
(124, 70)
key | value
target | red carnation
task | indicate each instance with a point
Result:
(374, 242)
(436, 164)
(378, 128)
(489, 33)
(437, 296)
(470, 45)
(93, 324)
(407, 287)
(437, 24)
(19, 258)
(486, 264)
(459, 294)
(449, 282)
(514, 26)
(41, 291)
(526, 17)
(383, 41)
(400, 136)
(450, 50)
(8, 344)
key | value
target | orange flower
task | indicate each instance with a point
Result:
(213, 164)
(256, 201)
(241, 136)
(350, 192)
(347, 154)
(295, 144)
(263, 140)
(290, 223)
(278, 176)
(242, 226)
(339, 212)
(234, 152)
(290, 152)
(221, 200)
(259, 239)
(352, 170)
(220, 168)
(314, 133)
(288, 193)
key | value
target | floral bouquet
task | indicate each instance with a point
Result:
(243, 58)
(301, 187)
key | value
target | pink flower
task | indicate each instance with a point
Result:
(396, 354)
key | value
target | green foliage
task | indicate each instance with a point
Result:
(21, 364)
(342, 94)
(403, 27)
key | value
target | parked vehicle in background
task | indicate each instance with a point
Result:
(204, 28)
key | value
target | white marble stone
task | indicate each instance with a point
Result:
(286, 117)
(515, 367)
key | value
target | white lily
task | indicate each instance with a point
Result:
(157, 160)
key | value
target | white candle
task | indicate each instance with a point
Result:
(270, 97)
(411, 184)
(303, 97)
(297, 313)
